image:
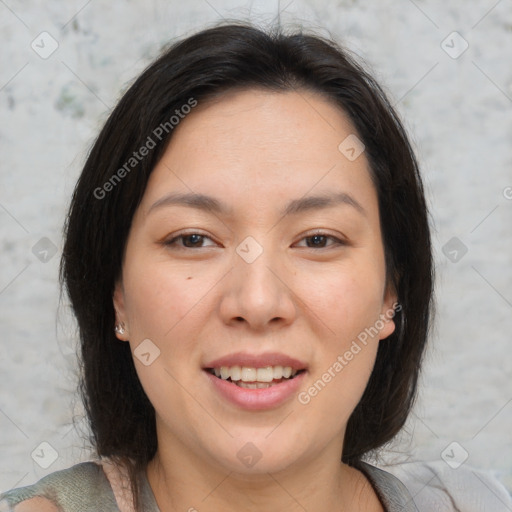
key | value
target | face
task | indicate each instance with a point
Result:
(253, 286)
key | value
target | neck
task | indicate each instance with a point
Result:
(180, 481)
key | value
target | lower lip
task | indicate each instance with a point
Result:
(256, 399)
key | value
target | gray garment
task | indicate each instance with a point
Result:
(85, 488)
(391, 491)
(81, 488)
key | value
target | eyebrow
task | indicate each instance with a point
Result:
(309, 203)
(294, 207)
(193, 200)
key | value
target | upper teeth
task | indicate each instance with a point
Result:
(247, 374)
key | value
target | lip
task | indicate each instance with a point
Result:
(257, 361)
(255, 399)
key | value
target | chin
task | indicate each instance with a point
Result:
(251, 455)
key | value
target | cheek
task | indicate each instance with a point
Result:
(158, 298)
(347, 302)
(346, 299)
(162, 305)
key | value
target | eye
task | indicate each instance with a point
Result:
(319, 240)
(189, 241)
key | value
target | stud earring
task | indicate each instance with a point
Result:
(119, 328)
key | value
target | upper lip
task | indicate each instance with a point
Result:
(257, 361)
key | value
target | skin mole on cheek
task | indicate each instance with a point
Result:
(189, 277)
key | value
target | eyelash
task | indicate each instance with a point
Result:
(182, 236)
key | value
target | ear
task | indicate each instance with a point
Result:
(120, 311)
(389, 306)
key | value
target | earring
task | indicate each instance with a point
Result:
(119, 328)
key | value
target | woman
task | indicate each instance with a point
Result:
(248, 256)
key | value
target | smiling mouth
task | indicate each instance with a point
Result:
(255, 378)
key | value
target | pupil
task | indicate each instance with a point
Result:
(194, 239)
(318, 238)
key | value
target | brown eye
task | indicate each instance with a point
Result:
(188, 241)
(320, 241)
(193, 240)
(317, 240)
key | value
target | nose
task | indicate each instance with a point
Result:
(258, 294)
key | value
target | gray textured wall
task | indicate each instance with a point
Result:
(457, 108)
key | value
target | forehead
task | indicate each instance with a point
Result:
(261, 147)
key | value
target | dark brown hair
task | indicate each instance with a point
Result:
(200, 67)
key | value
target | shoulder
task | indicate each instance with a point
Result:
(391, 491)
(438, 486)
(81, 488)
